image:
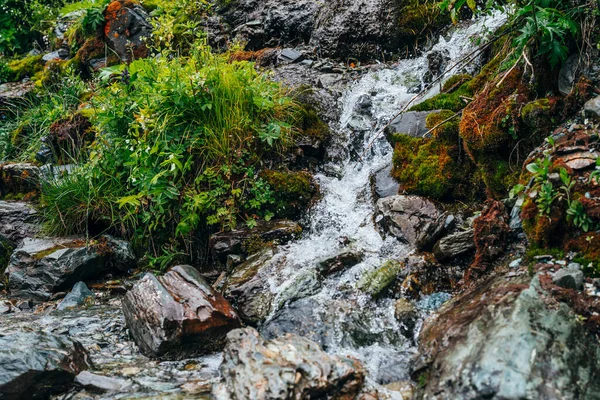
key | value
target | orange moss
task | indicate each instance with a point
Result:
(261, 57)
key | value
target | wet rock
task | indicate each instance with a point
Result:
(411, 123)
(78, 296)
(376, 281)
(57, 55)
(570, 277)
(290, 367)
(412, 219)
(178, 315)
(437, 62)
(288, 56)
(407, 315)
(127, 29)
(592, 108)
(40, 267)
(279, 231)
(100, 383)
(332, 324)
(36, 365)
(19, 179)
(454, 245)
(248, 289)
(345, 259)
(306, 284)
(503, 340)
(382, 183)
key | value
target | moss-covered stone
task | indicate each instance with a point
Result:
(433, 167)
(25, 67)
(418, 17)
(294, 191)
(376, 281)
(455, 82)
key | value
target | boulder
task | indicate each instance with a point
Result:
(290, 367)
(412, 219)
(19, 179)
(36, 365)
(307, 283)
(248, 289)
(78, 296)
(236, 242)
(127, 29)
(570, 277)
(14, 92)
(411, 123)
(178, 315)
(454, 245)
(40, 267)
(507, 339)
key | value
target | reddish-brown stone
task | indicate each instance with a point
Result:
(178, 315)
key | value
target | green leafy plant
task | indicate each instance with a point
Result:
(577, 215)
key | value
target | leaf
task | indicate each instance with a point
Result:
(534, 168)
(129, 200)
(472, 5)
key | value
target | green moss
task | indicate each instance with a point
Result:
(312, 125)
(446, 101)
(498, 175)
(455, 82)
(26, 67)
(294, 192)
(418, 17)
(376, 281)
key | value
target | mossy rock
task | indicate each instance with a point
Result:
(25, 67)
(375, 282)
(417, 17)
(433, 167)
(294, 192)
(455, 82)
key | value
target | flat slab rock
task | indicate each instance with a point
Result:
(508, 339)
(178, 315)
(291, 367)
(36, 365)
(40, 267)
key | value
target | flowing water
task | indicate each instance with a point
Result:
(332, 311)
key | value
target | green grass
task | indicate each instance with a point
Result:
(181, 146)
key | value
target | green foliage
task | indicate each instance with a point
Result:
(24, 126)
(546, 26)
(24, 22)
(83, 5)
(25, 67)
(181, 145)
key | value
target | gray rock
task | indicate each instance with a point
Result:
(100, 383)
(568, 74)
(515, 216)
(178, 315)
(40, 267)
(364, 105)
(343, 260)
(248, 289)
(411, 123)
(14, 92)
(570, 278)
(382, 183)
(64, 22)
(592, 108)
(291, 367)
(36, 365)
(412, 219)
(515, 263)
(57, 55)
(507, 339)
(78, 296)
(454, 245)
(306, 284)
(290, 56)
